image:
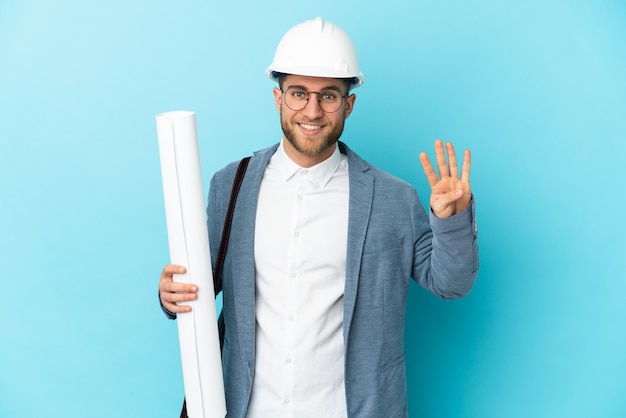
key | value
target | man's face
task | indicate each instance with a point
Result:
(312, 133)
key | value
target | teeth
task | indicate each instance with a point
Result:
(309, 127)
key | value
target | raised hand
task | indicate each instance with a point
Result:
(449, 193)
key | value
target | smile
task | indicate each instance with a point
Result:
(310, 128)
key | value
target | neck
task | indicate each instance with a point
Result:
(306, 160)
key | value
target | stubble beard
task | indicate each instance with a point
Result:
(308, 145)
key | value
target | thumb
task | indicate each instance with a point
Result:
(444, 206)
(454, 195)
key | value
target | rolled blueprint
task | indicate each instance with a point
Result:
(189, 246)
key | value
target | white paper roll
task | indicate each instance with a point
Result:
(189, 246)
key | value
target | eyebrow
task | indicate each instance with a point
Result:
(334, 88)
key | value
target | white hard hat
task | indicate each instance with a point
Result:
(316, 48)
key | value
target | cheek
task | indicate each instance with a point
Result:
(340, 118)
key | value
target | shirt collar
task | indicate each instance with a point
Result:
(321, 173)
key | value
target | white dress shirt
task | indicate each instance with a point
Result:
(300, 259)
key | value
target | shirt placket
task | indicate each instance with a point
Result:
(292, 293)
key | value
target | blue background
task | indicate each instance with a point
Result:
(536, 89)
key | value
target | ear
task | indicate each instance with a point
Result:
(350, 104)
(278, 97)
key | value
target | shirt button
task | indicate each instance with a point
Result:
(296, 234)
(286, 401)
(293, 275)
(300, 197)
(288, 360)
(290, 318)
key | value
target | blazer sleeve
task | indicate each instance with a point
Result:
(446, 263)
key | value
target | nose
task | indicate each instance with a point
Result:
(313, 109)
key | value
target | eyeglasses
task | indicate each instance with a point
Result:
(296, 98)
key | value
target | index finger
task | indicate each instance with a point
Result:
(431, 176)
(171, 269)
(168, 284)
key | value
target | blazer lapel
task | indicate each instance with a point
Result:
(361, 196)
(243, 252)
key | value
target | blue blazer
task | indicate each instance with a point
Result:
(389, 241)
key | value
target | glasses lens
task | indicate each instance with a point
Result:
(297, 99)
(330, 100)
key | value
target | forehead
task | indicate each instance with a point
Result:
(313, 83)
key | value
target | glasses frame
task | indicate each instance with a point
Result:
(319, 101)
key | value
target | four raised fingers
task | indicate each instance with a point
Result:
(446, 167)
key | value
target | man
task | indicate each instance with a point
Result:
(322, 249)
